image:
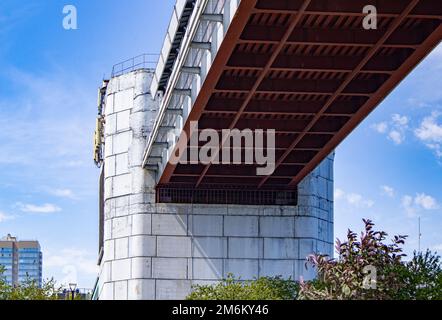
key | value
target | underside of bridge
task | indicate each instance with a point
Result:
(309, 70)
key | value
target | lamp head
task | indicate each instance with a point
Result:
(72, 286)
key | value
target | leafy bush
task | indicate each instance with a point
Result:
(422, 277)
(260, 289)
(29, 290)
(370, 269)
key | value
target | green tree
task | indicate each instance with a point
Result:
(265, 288)
(4, 288)
(30, 290)
(422, 277)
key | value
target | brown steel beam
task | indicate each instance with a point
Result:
(296, 106)
(356, 45)
(292, 125)
(233, 104)
(282, 92)
(385, 8)
(233, 83)
(343, 63)
(217, 170)
(371, 104)
(277, 149)
(288, 31)
(349, 37)
(391, 29)
(284, 132)
(189, 169)
(277, 113)
(227, 176)
(307, 70)
(329, 86)
(328, 44)
(430, 16)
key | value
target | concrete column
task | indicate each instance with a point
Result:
(130, 114)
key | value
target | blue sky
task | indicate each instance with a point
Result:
(389, 169)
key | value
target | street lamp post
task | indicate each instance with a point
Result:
(72, 287)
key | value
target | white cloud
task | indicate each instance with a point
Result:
(32, 208)
(5, 217)
(57, 119)
(74, 164)
(60, 139)
(63, 193)
(381, 127)
(407, 204)
(430, 133)
(339, 194)
(426, 202)
(429, 130)
(422, 201)
(388, 191)
(424, 82)
(419, 104)
(71, 262)
(396, 136)
(398, 120)
(437, 148)
(353, 199)
(437, 247)
(395, 129)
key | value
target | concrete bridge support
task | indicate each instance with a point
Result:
(158, 251)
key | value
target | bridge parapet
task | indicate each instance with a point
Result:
(197, 29)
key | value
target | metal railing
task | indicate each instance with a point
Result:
(142, 61)
(225, 194)
(191, 32)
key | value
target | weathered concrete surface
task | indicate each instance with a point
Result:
(158, 251)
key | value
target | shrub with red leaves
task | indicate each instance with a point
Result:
(364, 270)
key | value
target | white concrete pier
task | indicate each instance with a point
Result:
(158, 251)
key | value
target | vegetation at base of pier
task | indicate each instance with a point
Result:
(30, 290)
(264, 288)
(366, 268)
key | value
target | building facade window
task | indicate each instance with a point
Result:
(21, 261)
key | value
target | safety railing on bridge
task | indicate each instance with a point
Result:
(225, 194)
(196, 31)
(142, 61)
